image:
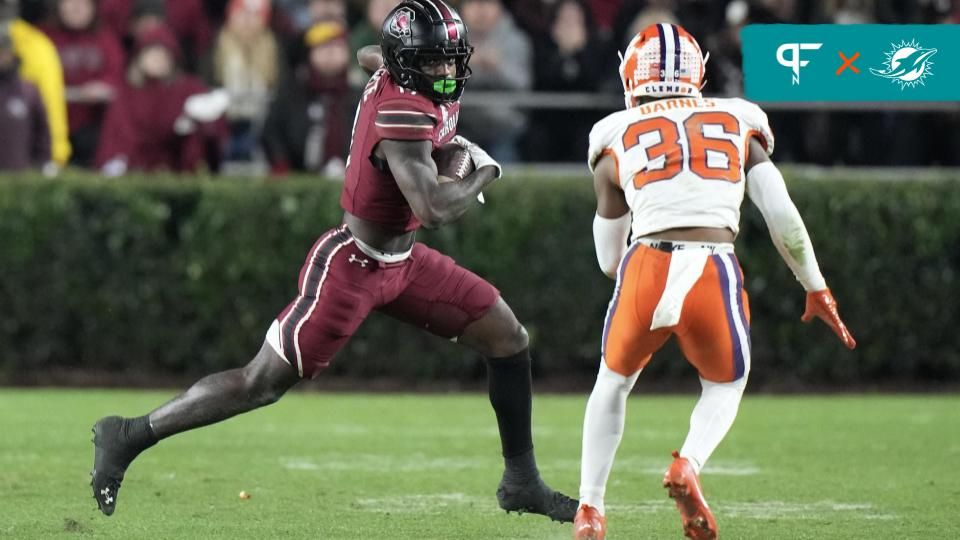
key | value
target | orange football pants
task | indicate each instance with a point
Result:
(714, 327)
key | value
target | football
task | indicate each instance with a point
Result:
(453, 162)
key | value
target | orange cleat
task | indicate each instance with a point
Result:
(684, 487)
(589, 524)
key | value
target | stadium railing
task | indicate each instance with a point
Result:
(611, 102)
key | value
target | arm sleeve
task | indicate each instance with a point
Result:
(404, 120)
(767, 190)
(610, 240)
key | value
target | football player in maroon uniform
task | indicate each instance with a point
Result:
(373, 262)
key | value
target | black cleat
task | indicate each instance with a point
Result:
(111, 457)
(537, 498)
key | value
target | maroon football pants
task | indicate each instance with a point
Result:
(339, 286)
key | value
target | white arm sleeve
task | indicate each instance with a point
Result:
(610, 240)
(767, 190)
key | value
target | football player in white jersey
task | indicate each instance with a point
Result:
(673, 167)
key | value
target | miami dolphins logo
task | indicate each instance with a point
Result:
(400, 24)
(907, 64)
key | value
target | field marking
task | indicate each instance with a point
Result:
(435, 503)
(656, 466)
(799, 510)
(364, 430)
(420, 504)
(762, 510)
(419, 462)
(385, 463)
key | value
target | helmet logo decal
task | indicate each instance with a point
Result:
(400, 24)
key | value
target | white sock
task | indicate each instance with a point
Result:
(711, 419)
(602, 430)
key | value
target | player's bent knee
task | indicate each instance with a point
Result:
(262, 392)
(520, 338)
(497, 334)
(609, 377)
(511, 339)
(268, 377)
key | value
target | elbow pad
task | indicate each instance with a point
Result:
(768, 192)
(610, 240)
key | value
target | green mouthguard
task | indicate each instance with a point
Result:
(444, 86)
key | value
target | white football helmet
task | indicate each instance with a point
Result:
(663, 60)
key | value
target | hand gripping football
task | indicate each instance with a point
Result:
(453, 162)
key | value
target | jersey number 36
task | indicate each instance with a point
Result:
(695, 155)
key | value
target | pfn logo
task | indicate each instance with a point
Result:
(794, 62)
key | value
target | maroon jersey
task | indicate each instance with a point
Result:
(388, 111)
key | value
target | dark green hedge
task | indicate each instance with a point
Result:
(161, 276)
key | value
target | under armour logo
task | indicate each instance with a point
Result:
(362, 262)
(106, 493)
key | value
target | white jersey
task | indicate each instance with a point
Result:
(680, 160)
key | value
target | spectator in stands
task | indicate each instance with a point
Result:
(327, 10)
(294, 12)
(34, 11)
(246, 62)
(532, 16)
(306, 129)
(93, 65)
(306, 13)
(367, 32)
(849, 11)
(502, 60)
(24, 135)
(161, 118)
(118, 16)
(40, 65)
(570, 58)
(633, 20)
(187, 18)
(604, 13)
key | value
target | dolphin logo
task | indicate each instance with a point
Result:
(907, 64)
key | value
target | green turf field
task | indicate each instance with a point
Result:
(426, 466)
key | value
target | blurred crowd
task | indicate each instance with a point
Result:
(191, 85)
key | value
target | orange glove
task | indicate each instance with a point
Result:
(821, 304)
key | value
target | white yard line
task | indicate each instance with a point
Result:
(816, 510)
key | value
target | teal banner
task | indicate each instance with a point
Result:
(861, 62)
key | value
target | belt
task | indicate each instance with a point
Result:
(670, 246)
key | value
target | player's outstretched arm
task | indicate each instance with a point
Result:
(611, 225)
(370, 58)
(433, 203)
(767, 190)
